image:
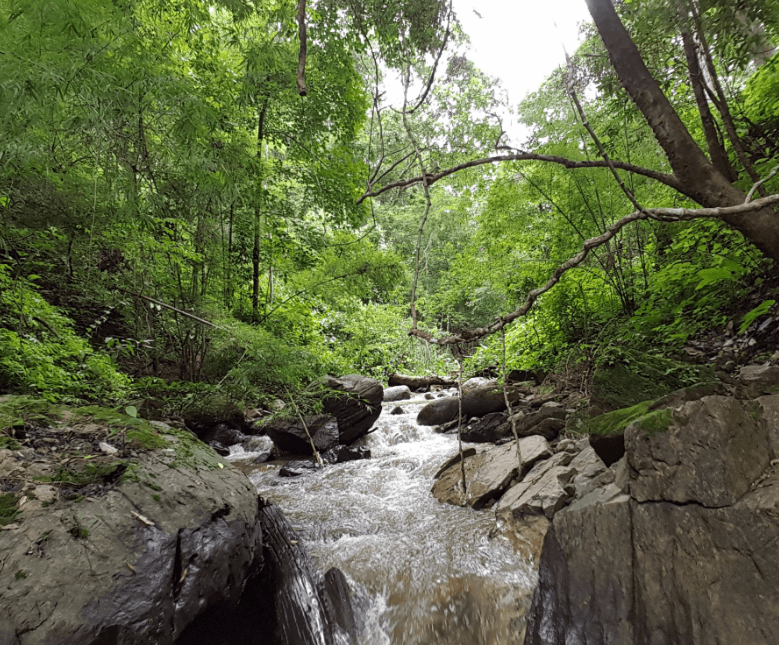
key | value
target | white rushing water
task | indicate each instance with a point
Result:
(424, 572)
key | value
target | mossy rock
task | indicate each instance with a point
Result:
(628, 377)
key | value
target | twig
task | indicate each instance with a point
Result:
(159, 303)
(752, 190)
(459, 357)
(512, 420)
(305, 427)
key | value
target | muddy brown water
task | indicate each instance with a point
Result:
(422, 572)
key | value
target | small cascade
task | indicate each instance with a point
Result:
(425, 573)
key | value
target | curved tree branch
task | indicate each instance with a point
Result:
(669, 180)
(660, 214)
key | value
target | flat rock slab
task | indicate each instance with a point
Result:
(708, 451)
(543, 491)
(489, 473)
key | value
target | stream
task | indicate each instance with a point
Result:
(422, 572)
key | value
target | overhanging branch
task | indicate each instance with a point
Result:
(659, 214)
(431, 178)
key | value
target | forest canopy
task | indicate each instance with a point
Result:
(226, 199)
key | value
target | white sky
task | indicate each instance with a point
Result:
(517, 41)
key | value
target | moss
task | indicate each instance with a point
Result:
(10, 443)
(628, 377)
(79, 532)
(153, 486)
(8, 510)
(146, 438)
(87, 473)
(615, 422)
(755, 411)
(131, 474)
(15, 410)
(156, 498)
(20, 575)
(656, 422)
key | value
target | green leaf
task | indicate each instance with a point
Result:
(131, 411)
(749, 318)
(710, 276)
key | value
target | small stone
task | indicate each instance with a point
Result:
(107, 448)
(398, 410)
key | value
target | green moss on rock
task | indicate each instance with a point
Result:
(655, 422)
(614, 423)
(8, 510)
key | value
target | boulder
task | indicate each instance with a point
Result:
(485, 430)
(517, 376)
(135, 548)
(219, 449)
(543, 491)
(298, 467)
(707, 451)
(355, 403)
(475, 403)
(224, 434)
(769, 406)
(290, 435)
(397, 393)
(687, 556)
(397, 410)
(489, 473)
(419, 382)
(759, 379)
(340, 454)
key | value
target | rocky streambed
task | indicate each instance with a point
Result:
(656, 523)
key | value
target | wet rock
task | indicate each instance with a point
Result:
(219, 448)
(263, 458)
(416, 383)
(224, 434)
(340, 454)
(334, 590)
(297, 468)
(489, 473)
(397, 393)
(429, 396)
(290, 434)
(356, 404)
(475, 403)
(135, 564)
(398, 410)
(485, 430)
(707, 451)
(468, 452)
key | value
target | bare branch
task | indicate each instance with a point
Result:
(660, 214)
(430, 80)
(430, 178)
(159, 303)
(757, 185)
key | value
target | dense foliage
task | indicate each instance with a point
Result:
(176, 218)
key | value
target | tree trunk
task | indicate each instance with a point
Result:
(716, 151)
(700, 180)
(257, 216)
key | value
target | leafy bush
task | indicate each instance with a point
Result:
(40, 353)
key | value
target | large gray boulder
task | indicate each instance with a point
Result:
(148, 538)
(489, 473)
(476, 402)
(707, 451)
(397, 393)
(290, 434)
(355, 402)
(687, 555)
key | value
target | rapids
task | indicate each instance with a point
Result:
(423, 572)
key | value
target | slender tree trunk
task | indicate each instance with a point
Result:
(716, 151)
(257, 217)
(700, 180)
